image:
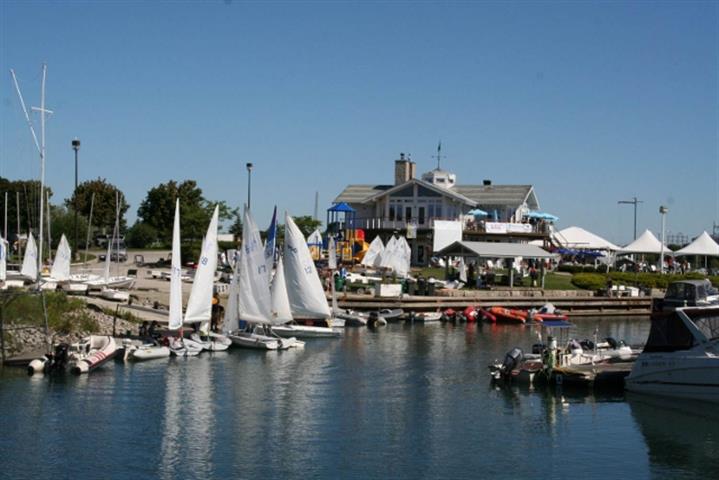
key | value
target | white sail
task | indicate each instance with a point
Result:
(61, 266)
(281, 312)
(199, 305)
(462, 269)
(29, 261)
(3, 259)
(232, 310)
(373, 256)
(307, 298)
(255, 299)
(402, 257)
(331, 254)
(388, 253)
(175, 318)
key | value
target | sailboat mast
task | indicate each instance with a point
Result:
(89, 227)
(42, 168)
(49, 231)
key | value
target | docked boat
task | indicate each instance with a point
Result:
(305, 331)
(145, 351)
(184, 347)
(50, 363)
(217, 343)
(681, 356)
(250, 298)
(546, 312)
(424, 317)
(90, 353)
(518, 367)
(506, 315)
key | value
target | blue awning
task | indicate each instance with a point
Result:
(542, 216)
(477, 212)
(340, 207)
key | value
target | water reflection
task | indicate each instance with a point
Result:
(682, 436)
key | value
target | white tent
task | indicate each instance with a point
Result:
(646, 243)
(581, 239)
(702, 245)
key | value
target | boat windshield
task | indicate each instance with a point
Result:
(668, 334)
(707, 323)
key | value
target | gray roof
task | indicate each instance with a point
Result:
(495, 194)
(494, 250)
(357, 193)
(481, 194)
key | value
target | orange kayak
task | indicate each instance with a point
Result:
(508, 315)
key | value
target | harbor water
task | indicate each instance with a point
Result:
(404, 401)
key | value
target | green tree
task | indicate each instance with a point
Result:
(158, 210)
(103, 208)
(27, 194)
(141, 235)
(307, 224)
(63, 222)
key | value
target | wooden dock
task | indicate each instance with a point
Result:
(601, 376)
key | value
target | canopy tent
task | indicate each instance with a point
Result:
(494, 250)
(478, 212)
(579, 238)
(445, 232)
(542, 216)
(646, 243)
(341, 207)
(702, 245)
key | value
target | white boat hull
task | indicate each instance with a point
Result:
(215, 343)
(664, 374)
(91, 353)
(147, 352)
(184, 347)
(115, 295)
(74, 288)
(305, 331)
(251, 340)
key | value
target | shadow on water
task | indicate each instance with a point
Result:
(682, 436)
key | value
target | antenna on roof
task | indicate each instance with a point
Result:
(438, 156)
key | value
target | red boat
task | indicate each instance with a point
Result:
(486, 315)
(541, 317)
(471, 314)
(509, 315)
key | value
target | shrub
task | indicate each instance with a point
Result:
(589, 281)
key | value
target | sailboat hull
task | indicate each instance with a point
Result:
(305, 331)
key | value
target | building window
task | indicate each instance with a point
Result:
(420, 214)
(408, 213)
(391, 212)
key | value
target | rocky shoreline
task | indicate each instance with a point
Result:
(24, 339)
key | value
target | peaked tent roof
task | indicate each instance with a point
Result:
(646, 243)
(702, 245)
(494, 250)
(579, 238)
(340, 207)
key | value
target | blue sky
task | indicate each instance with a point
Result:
(590, 102)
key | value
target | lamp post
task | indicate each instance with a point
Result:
(634, 201)
(663, 211)
(76, 147)
(249, 184)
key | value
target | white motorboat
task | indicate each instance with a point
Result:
(145, 351)
(681, 356)
(91, 352)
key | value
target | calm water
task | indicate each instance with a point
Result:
(400, 402)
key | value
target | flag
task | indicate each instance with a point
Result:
(270, 243)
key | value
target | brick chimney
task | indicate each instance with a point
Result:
(404, 169)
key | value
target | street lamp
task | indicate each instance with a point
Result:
(663, 211)
(76, 147)
(249, 183)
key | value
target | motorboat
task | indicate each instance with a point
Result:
(517, 367)
(506, 315)
(687, 293)
(424, 317)
(546, 312)
(90, 353)
(681, 356)
(54, 362)
(145, 351)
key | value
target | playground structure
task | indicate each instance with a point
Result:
(350, 241)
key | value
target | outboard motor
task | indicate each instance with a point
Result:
(512, 359)
(587, 344)
(612, 342)
(60, 359)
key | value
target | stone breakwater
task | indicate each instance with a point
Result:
(32, 338)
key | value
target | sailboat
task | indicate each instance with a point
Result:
(253, 296)
(28, 271)
(199, 306)
(302, 289)
(179, 346)
(111, 286)
(3, 263)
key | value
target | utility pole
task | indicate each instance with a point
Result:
(634, 201)
(663, 211)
